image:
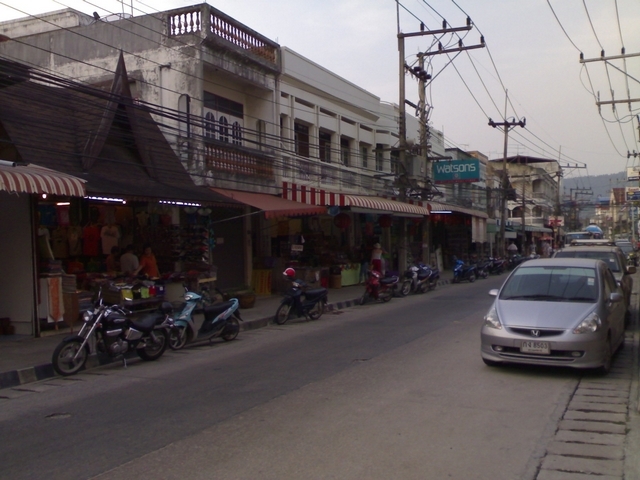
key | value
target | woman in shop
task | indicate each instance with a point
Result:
(376, 257)
(148, 263)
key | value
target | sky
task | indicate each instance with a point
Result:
(530, 62)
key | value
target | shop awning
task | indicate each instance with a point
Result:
(384, 205)
(359, 203)
(271, 205)
(437, 206)
(30, 178)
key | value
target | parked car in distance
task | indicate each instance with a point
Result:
(557, 312)
(608, 252)
(629, 251)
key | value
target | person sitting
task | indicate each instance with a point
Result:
(128, 261)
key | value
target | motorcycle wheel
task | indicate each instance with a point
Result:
(316, 312)
(63, 362)
(433, 285)
(485, 274)
(455, 280)
(154, 351)
(405, 289)
(282, 314)
(177, 337)
(232, 336)
(424, 287)
(364, 298)
(386, 296)
(472, 278)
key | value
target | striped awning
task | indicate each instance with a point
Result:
(30, 178)
(362, 203)
(271, 205)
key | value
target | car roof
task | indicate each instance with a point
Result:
(591, 248)
(567, 262)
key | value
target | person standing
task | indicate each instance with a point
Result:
(128, 261)
(113, 265)
(364, 264)
(148, 263)
(512, 249)
(376, 257)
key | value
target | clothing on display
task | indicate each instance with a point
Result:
(91, 240)
(59, 243)
(110, 236)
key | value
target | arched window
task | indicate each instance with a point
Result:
(210, 125)
(236, 133)
(223, 127)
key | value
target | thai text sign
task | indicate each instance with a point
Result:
(456, 171)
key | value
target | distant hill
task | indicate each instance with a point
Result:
(599, 185)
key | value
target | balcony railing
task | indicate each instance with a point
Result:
(230, 160)
(211, 23)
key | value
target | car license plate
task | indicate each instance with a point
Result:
(541, 348)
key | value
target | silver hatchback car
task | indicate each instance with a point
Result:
(556, 311)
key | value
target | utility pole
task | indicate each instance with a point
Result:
(403, 180)
(506, 126)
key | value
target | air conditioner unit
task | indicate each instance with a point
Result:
(415, 166)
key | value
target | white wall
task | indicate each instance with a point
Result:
(16, 262)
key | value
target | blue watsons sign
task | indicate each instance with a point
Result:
(456, 171)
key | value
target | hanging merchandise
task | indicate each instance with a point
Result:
(342, 221)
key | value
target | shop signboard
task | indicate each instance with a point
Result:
(456, 171)
(632, 193)
(633, 174)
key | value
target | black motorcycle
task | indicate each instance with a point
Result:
(109, 330)
(496, 266)
(302, 302)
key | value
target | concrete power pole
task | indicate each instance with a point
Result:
(506, 126)
(404, 180)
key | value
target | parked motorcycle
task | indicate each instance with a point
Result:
(515, 260)
(463, 271)
(419, 278)
(482, 268)
(221, 320)
(497, 266)
(109, 329)
(300, 300)
(379, 287)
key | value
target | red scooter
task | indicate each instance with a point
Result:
(379, 287)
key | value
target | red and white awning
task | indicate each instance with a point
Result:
(317, 196)
(272, 206)
(34, 179)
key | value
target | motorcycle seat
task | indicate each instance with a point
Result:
(315, 292)
(389, 280)
(147, 322)
(422, 275)
(212, 311)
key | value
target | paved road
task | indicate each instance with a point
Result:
(380, 391)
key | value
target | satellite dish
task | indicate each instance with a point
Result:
(333, 211)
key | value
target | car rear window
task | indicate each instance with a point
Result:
(575, 284)
(609, 258)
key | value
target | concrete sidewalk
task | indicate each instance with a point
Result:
(24, 359)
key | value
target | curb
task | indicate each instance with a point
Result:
(16, 378)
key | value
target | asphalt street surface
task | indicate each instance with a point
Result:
(393, 390)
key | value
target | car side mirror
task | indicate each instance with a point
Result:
(631, 270)
(615, 297)
(493, 292)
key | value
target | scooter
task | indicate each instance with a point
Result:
(379, 287)
(419, 278)
(482, 268)
(463, 271)
(221, 320)
(497, 266)
(301, 300)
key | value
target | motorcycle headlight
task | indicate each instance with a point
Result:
(589, 325)
(86, 316)
(491, 319)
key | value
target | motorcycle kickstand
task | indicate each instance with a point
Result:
(124, 361)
